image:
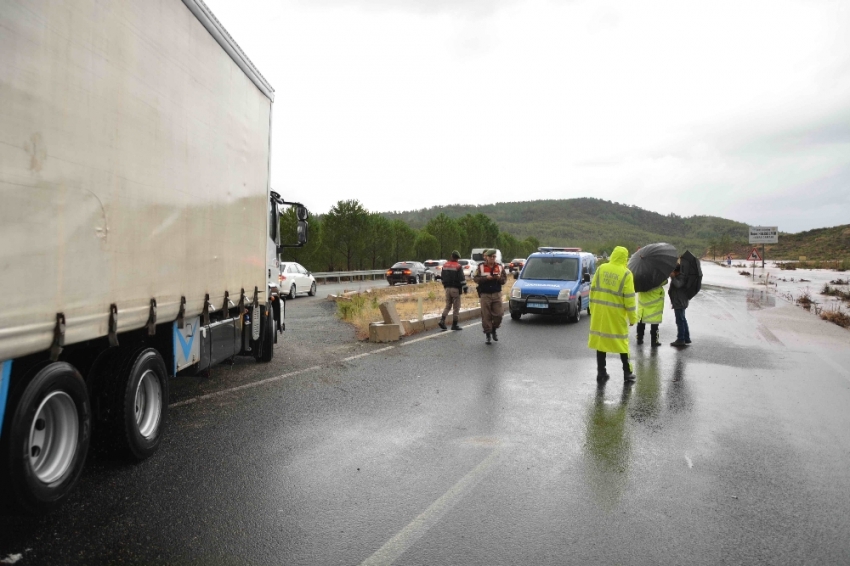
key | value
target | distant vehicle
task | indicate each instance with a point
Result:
(478, 255)
(294, 278)
(469, 266)
(516, 264)
(435, 266)
(554, 281)
(407, 272)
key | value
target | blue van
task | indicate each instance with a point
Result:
(554, 281)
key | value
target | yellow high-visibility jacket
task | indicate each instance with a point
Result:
(651, 305)
(612, 305)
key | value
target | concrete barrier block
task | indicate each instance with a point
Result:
(384, 332)
(389, 313)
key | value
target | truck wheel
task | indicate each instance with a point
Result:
(135, 403)
(47, 439)
(516, 315)
(312, 291)
(266, 341)
(291, 294)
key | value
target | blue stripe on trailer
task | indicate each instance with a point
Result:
(5, 377)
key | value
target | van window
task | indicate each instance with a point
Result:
(551, 269)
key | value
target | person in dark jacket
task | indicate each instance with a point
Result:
(679, 301)
(453, 282)
(490, 276)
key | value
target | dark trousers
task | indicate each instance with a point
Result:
(600, 362)
(653, 331)
(683, 332)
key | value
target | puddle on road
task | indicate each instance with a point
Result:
(757, 299)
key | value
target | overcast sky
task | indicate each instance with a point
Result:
(738, 109)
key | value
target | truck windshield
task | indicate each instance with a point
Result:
(551, 269)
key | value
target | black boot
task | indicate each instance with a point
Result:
(442, 324)
(495, 337)
(629, 377)
(640, 329)
(602, 375)
(653, 336)
(455, 325)
(487, 340)
(639, 340)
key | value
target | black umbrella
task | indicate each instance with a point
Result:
(651, 265)
(692, 270)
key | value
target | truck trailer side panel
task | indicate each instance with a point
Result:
(133, 166)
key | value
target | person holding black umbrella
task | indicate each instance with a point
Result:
(679, 300)
(650, 311)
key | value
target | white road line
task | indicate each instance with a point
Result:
(241, 387)
(364, 354)
(298, 372)
(399, 544)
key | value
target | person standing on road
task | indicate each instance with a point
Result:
(679, 301)
(453, 282)
(650, 311)
(490, 276)
(612, 294)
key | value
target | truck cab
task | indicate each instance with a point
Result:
(554, 281)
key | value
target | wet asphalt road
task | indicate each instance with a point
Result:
(441, 450)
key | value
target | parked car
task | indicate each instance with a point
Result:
(294, 278)
(516, 264)
(435, 266)
(469, 266)
(407, 272)
(554, 281)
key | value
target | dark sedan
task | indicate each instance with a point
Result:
(406, 272)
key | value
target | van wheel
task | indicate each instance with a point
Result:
(516, 315)
(577, 316)
(48, 438)
(134, 403)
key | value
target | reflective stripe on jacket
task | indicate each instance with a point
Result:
(651, 305)
(612, 305)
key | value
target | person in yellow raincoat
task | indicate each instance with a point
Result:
(612, 300)
(650, 310)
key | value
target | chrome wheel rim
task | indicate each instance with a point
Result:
(148, 404)
(53, 437)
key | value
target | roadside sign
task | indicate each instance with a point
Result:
(754, 255)
(764, 234)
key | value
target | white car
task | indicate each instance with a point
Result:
(435, 266)
(294, 279)
(469, 266)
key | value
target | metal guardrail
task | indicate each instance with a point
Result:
(338, 276)
(348, 275)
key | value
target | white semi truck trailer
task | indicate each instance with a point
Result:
(139, 235)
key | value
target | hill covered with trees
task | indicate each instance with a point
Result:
(350, 237)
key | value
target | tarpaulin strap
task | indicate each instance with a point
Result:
(113, 325)
(152, 319)
(58, 337)
(206, 313)
(182, 313)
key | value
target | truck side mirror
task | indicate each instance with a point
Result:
(302, 231)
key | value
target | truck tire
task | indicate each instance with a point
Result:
(516, 315)
(291, 294)
(312, 291)
(265, 353)
(134, 402)
(47, 439)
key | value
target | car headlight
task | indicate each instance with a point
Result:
(564, 295)
(516, 293)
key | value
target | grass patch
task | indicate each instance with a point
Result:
(362, 309)
(835, 292)
(836, 265)
(836, 316)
